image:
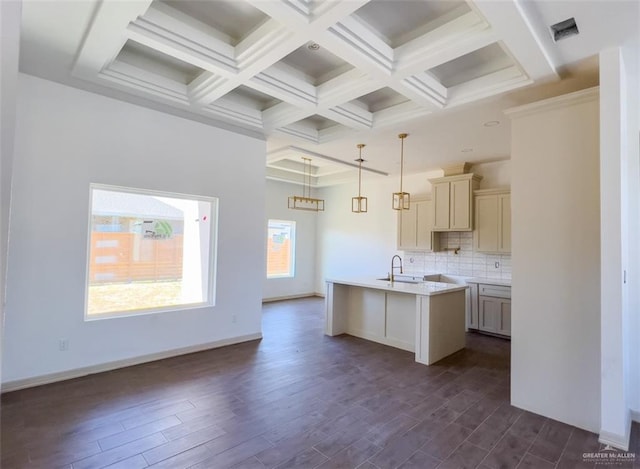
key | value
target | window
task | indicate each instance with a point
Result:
(149, 251)
(281, 248)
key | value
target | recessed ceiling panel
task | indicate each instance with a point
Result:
(398, 22)
(253, 98)
(476, 64)
(146, 58)
(317, 63)
(234, 18)
(318, 122)
(381, 99)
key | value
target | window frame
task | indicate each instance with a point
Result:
(292, 267)
(212, 262)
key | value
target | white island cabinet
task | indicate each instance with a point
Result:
(427, 318)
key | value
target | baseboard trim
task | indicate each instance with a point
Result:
(617, 441)
(288, 297)
(18, 384)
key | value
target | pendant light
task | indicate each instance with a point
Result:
(306, 202)
(359, 204)
(401, 199)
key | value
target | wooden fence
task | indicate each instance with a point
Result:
(129, 257)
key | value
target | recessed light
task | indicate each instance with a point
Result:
(313, 46)
(491, 123)
(466, 150)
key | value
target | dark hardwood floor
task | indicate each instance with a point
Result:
(295, 399)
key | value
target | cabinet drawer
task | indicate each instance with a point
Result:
(497, 291)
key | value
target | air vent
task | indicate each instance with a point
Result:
(564, 29)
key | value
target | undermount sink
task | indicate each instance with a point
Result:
(403, 279)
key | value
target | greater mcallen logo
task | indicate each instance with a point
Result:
(609, 456)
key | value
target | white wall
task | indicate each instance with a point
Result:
(555, 197)
(619, 181)
(614, 163)
(363, 244)
(66, 139)
(305, 262)
(9, 51)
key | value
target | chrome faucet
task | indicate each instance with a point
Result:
(391, 276)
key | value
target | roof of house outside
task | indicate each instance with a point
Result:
(126, 204)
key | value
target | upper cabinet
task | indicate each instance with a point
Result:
(492, 221)
(452, 202)
(415, 230)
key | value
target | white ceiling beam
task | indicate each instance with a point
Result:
(141, 79)
(283, 114)
(510, 21)
(231, 110)
(285, 87)
(105, 36)
(346, 87)
(300, 131)
(265, 46)
(349, 115)
(178, 40)
(398, 114)
(450, 41)
(208, 87)
(488, 85)
(364, 42)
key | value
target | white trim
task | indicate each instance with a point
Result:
(114, 365)
(617, 441)
(577, 97)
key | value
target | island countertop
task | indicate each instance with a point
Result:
(422, 288)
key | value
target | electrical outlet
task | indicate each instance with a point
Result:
(234, 319)
(63, 345)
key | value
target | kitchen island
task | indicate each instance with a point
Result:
(427, 318)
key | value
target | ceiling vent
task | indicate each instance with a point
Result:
(564, 29)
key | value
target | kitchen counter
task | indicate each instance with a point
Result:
(490, 281)
(427, 318)
(422, 288)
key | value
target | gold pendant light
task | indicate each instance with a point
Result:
(306, 202)
(401, 199)
(359, 204)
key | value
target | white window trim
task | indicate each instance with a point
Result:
(293, 248)
(213, 251)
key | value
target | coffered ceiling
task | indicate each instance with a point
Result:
(304, 73)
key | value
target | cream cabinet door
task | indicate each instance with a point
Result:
(504, 207)
(460, 205)
(441, 210)
(424, 223)
(504, 320)
(487, 223)
(494, 315)
(407, 229)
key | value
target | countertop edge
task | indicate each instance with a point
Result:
(490, 281)
(419, 289)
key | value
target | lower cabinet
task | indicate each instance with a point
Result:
(490, 310)
(494, 315)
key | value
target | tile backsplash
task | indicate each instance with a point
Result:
(466, 263)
